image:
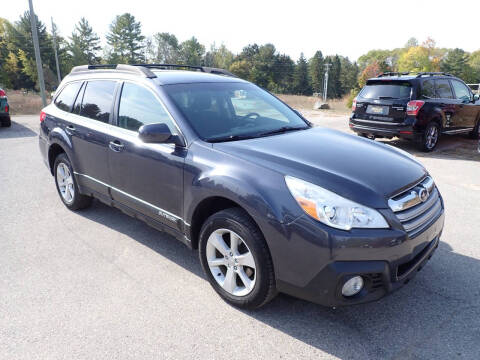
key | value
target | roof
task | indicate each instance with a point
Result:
(168, 77)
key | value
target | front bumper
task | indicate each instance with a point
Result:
(386, 259)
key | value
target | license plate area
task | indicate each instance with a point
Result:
(377, 110)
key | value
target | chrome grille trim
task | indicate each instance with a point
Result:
(414, 214)
(411, 213)
(410, 198)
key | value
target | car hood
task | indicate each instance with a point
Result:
(362, 170)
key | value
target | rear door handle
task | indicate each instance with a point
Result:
(70, 129)
(116, 146)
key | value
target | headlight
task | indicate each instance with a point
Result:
(332, 209)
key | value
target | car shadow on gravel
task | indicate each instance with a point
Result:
(451, 147)
(436, 315)
(16, 131)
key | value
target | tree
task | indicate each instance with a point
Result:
(191, 52)
(219, 57)
(348, 74)
(166, 48)
(85, 44)
(316, 71)
(300, 78)
(456, 62)
(416, 59)
(474, 62)
(384, 59)
(412, 42)
(125, 38)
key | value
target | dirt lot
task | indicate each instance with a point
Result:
(99, 284)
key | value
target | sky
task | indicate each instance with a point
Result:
(348, 28)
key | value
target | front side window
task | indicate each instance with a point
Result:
(461, 91)
(138, 106)
(442, 89)
(232, 110)
(97, 100)
(65, 100)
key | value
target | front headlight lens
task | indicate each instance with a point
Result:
(332, 209)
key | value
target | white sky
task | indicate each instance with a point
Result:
(349, 28)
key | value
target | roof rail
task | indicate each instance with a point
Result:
(428, 73)
(119, 67)
(204, 69)
(392, 73)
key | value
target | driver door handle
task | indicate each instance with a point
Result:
(70, 129)
(116, 146)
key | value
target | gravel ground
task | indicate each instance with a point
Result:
(98, 284)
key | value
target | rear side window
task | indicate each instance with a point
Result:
(386, 90)
(461, 91)
(428, 89)
(97, 100)
(138, 106)
(65, 100)
(442, 89)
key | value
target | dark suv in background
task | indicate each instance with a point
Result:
(417, 106)
(272, 203)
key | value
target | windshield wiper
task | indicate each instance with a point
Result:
(282, 130)
(230, 138)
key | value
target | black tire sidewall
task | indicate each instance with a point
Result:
(256, 244)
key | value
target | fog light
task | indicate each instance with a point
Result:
(352, 286)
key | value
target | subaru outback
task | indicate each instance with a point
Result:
(271, 203)
(418, 107)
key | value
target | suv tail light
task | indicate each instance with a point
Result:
(2, 93)
(42, 116)
(414, 106)
(354, 104)
(6, 108)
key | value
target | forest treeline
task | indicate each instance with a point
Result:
(261, 64)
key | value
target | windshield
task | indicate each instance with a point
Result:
(386, 90)
(232, 111)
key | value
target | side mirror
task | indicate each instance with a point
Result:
(158, 134)
(476, 97)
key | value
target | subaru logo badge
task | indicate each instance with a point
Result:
(423, 194)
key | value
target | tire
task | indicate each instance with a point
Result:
(6, 122)
(475, 133)
(252, 247)
(67, 187)
(430, 137)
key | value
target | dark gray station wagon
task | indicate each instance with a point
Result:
(272, 203)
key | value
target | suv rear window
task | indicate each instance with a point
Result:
(443, 89)
(386, 90)
(65, 100)
(97, 100)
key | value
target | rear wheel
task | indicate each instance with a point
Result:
(236, 260)
(67, 186)
(430, 137)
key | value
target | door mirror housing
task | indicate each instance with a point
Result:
(476, 97)
(158, 134)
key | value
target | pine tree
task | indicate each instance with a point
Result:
(125, 38)
(191, 52)
(85, 44)
(166, 48)
(456, 62)
(300, 79)
(316, 71)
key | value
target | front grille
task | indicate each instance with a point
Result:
(417, 212)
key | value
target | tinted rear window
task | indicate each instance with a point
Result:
(97, 100)
(66, 98)
(443, 89)
(386, 90)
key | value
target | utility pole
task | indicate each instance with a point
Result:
(33, 22)
(325, 82)
(56, 54)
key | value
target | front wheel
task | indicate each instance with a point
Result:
(475, 133)
(236, 260)
(67, 186)
(430, 137)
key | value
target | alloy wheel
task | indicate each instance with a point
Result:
(65, 183)
(231, 262)
(432, 137)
